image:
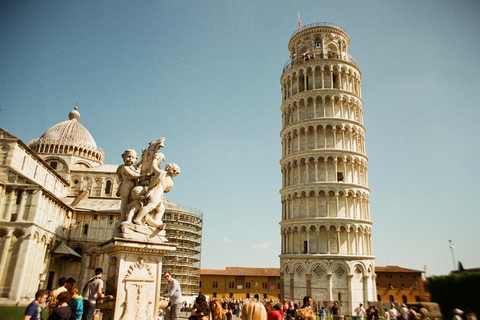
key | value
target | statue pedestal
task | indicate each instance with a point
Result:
(138, 273)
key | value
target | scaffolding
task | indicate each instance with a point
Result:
(183, 226)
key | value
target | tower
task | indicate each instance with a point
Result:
(326, 250)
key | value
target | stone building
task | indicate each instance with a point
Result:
(326, 230)
(240, 283)
(58, 204)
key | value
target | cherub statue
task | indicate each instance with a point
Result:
(128, 174)
(154, 198)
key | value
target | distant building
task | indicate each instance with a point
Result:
(240, 283)
(400, 285)
(393, 284)
(58, 204)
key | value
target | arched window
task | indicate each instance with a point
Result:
(85, 229)
(391, 298)
(404, 299)
(108, 187)
(78, 250)
(379, 298)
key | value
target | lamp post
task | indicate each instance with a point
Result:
(453, 258)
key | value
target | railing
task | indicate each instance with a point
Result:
(318, 24)
(291, 63)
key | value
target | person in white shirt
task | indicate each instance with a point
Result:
(173, 292)
(360, 311)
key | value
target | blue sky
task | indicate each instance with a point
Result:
(205, 75)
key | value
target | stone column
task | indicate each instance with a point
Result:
(329, 287)
(7, 240)
(309, 284)
(138, 277)
(292, 285)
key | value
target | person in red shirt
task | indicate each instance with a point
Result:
(284, 308)
(276, 313)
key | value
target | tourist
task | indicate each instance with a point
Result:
(284, 308)
(386, 315)
(469, 314)
(217, 312)
(370, 312)
(228, 310)
(53, 297)
(33, 311)
(412, 314)
(290, 314)
(62, 311)
(174, 292)
(360, 311)
(307, 302)
(424, 314)
(92, 290)
(253, 310)
(200, 302)
(457, 314)
(322, 313)
(276, 313)
(393, 311)
(335, 310)
(304, 314)
(376, 313)
(76, 304)
(202, 314)
(404, 312)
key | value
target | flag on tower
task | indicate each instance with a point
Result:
(299, 23)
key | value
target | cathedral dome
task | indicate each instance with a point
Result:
(70, 131)
(68, 138)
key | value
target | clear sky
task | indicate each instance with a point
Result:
(206, 76)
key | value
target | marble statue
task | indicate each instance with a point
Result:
(144, 184)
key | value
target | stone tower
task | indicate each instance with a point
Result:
(326, 229)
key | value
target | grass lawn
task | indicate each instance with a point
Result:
(16, 313)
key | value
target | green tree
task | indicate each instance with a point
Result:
(456, 291)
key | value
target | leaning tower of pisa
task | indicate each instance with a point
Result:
(325, 228)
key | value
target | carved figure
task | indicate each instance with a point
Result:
(161, 183)
(152, 158)
(128, 175)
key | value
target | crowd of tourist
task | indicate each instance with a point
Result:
(250, 309)
(64, 303)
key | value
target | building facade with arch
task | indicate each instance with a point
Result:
(58, 204)
(326, 230)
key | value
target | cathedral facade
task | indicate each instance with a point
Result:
(326, 250)
(58, 204)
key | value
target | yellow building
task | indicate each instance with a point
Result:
(240, 283)
(394, 284)
(397, 284)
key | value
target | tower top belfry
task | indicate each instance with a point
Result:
(320, 41)
(325, 227)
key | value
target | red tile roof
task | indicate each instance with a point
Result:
(396, 269)
(275, 272)
(242, 271)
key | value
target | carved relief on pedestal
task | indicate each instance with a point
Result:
(139, 286)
